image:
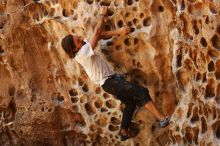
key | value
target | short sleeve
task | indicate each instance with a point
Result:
(84, 52)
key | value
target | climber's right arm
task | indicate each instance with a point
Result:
(121, 32)
(99, 27)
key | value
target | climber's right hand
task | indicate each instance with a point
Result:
(103, 10)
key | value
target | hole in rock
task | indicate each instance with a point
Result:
(104, 109)
(103, 121)
(217, 72)
(42, 109)
(75, 108)
(65, 141)
(73, 92)
(141, 15)
(89, 109)
(33, 98)
(93, 127)
(153, 128)
(189, 110)
(217, 131)
(105, 51)
(213, 8)
(105, 3)
(204, 78)
(211, 66)
(98, 90)
(113, 128)
(71, 11)
(130, 51)
(195, 93)
(203, 42)
(139, 26)
(177, 138)
(74, 99)
(198, 76)
(132, 29)
(120, 23)
(111, 104)
(207, 20)
(205, 111)
(127, 14)
(135, 21)
(214, 113)
(139, 65)
(110, 43)
(115, 121)
(213, 53)
(65, 14)
(210, 89)
(134, 8)
(217, 98)
(127, 42)
(134, 62)
(106, 96)
(204, 125)
(189, 134)
(110, 12)
(161, 8)
(130, 2)
(11, 90)
(196, 133)
(49, 110)
(89, 1)
(195, 116)
(183, 5)
(179, 60)
(136, 41)
(216, 42)
(83, 99)
(80, 81)
(107, 27)
(75, 17)
(1, 50)
(177, 128)
(85, 88)
(130, 23)
(147, 21)
(118, 47)
(98, 103)
(60, 98)
(218, 29)
(195, 28)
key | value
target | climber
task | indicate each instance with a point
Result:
(99, 72)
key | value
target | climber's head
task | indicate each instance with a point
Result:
(72, 44)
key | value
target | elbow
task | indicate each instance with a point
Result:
(98, 33)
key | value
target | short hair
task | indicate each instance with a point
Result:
(68, 45)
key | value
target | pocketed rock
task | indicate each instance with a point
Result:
(47, 99)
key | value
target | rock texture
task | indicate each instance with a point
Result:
(47, 99)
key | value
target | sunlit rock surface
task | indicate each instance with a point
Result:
(47, 99)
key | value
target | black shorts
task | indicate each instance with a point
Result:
(126, 91)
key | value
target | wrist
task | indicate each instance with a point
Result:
(120, 32)
(102, 15)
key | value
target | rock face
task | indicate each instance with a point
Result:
(47, 98)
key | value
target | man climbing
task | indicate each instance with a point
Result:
(99, 72)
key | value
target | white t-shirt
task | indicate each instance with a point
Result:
(96, 68)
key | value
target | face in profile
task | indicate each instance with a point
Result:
(78, 43)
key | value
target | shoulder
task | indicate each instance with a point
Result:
(85, 51)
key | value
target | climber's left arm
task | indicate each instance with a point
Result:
(121, 32)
